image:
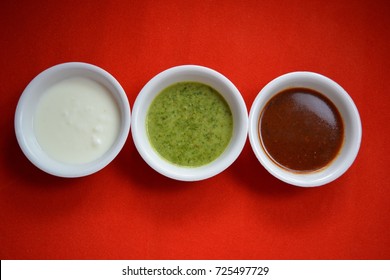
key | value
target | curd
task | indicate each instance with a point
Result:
(76, 121)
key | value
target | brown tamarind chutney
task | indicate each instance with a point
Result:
(301, 130)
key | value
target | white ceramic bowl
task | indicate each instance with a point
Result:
(27, 106)
(348, 112)
(196, 74)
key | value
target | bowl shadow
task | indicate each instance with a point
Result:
(34, 193)
(282, 205)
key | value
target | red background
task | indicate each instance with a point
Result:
(127, 210)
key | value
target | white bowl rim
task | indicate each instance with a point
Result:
(49, 165)
(161, 81)
(344, 160)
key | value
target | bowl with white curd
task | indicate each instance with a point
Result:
(189, 123)
(305, 129)
(72, 119)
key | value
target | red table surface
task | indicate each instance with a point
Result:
(129, 211)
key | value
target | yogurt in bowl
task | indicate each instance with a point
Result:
(72, 119)
(189, 123)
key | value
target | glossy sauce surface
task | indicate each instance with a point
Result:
(301, 130)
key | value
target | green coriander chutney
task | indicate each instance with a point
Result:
(189, 124)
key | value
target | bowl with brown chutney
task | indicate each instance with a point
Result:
(305, 129)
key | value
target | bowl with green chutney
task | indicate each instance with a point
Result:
(189, 123)
(305, 129)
